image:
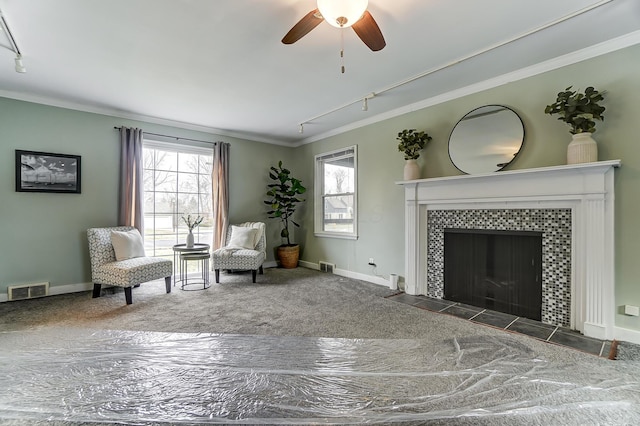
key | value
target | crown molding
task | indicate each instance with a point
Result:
(138, 117)
(590, 52)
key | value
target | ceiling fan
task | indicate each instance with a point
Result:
(340, 14)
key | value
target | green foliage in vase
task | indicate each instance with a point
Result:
(578, 110)
(283, 197)
(411, 142)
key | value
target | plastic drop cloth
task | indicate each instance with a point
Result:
(82, 376)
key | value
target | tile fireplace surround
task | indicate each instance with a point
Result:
(583, 296)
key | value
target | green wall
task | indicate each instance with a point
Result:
(380, 165)
(44, 235)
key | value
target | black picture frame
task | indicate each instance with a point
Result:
(47, 172)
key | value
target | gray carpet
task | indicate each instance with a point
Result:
(298, 302)
(298, 347)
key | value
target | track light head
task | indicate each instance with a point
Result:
(19, 65)
(301, 130)
(365, 101)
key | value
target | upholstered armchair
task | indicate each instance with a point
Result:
(245, 249)
(127, 268)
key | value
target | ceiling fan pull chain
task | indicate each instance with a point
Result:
(342, 50)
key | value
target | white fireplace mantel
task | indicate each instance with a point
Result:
(587, 189)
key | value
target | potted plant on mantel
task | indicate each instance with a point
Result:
(283, 198)
(579, 110)
(411, 142)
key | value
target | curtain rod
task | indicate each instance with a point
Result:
(172, 137)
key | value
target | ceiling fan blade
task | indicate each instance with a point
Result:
(369, 32)
(302, 28)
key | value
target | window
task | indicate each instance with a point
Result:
(177, 182)
(335, 194)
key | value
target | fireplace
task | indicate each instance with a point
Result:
(497, 270)
(554, 227)
(572, 206)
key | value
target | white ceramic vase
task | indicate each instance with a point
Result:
(190, 240)
(411, 170)
(582, 149)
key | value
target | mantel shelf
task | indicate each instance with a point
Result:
(539, 170)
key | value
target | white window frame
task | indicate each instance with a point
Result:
(181, 148)
(319, 195)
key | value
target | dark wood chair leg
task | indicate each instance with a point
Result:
(167, 283)
(253, 274)
(217, 276)
(96, 290)
(127, 295)
(261, 270)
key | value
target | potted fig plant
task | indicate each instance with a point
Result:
(579, 110)
(283, 200)
(411, 143)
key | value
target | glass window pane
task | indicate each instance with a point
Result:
(165, 202)
(204, 183)
(188, 162)
(187, 204)
(205, 204)
(149, 205)
(339, 177)
(338, 214)
(147, 176)
(165, 160)
(188, 182)
(206, 164)
(165, 181)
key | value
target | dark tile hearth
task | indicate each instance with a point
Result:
(548, 333)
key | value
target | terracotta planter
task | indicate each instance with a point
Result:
(288, 256)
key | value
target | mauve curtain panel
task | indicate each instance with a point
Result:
(131, 179)
(220, 193)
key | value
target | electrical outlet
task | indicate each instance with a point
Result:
(371, 262)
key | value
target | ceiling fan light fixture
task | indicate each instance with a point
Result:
(342, 13)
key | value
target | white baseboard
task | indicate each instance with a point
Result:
(362, 277)
(309, 265)
(627, 335)
(349, 274)
(58, 289)
(70, 288)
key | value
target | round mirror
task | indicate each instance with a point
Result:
(486, 139)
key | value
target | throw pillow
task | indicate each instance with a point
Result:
(243, 237)
(127, 244)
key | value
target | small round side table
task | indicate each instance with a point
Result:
(181, 257)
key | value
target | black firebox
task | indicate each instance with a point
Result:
(496, 270)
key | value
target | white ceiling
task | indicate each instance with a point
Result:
(220, 66)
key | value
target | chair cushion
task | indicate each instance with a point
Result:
(237, 259)
(244, 237)
(129, 272)
(127, 244)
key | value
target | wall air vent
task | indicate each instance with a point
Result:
(327, 267)
(28, 291)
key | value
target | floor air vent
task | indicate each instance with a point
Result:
(28, 291)
(327, 267)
